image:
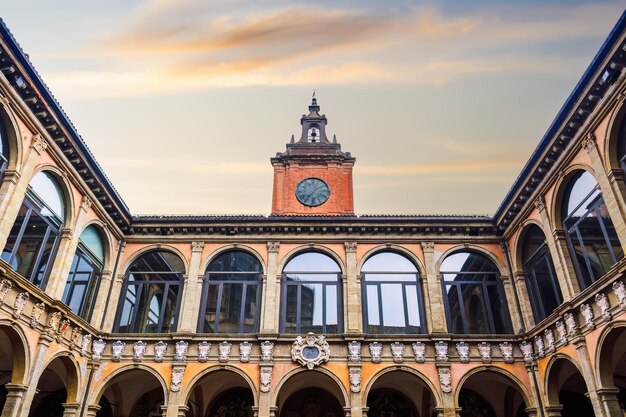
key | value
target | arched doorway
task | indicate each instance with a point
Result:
(567, 389)
(57, 385)
(400, 393)
(311, 394)
(12, 361)
(491, 394)
(612, 370)
(135, 392)
(222, 393)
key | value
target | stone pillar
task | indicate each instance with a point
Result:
(10, 206)
(519, 280)
(511, 304)
(588, 375)
(15, 397)
(182, 410)
(104, 304)
(535, 389)
(92, 410)
(553, 410)
(271, 292)
(173, 406)
(557, 245)
(353, 291)
(355, 408)
(433, 295)
(71, 409)
(35, 373)
(265, 395)
(618, 216)
(531, 411)
(192, 291)
(111, 308)
(449, 406)
(609, 402)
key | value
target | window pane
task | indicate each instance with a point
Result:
(455, 309)
(230, 308)
(291, 318)
(475, 309)
(612, 234)
(393, 309)
(412, 304)
(15, 230)
(170, 310)
(92, 240)
(211, 309)
(46, 257)
(312, 261)
(373, 318)
(311, 308)
(309, 277)
(581, 194)
(75, 302)
(48, 191)
(225, 276)
(158, 261)
(498, 309)
(544, 275)
(250, 313)
(235, 261)
(332, 316)
(391, 277)
(128, 309)
(468, 262)
(388, 262)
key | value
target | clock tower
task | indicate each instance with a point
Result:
(313, 176)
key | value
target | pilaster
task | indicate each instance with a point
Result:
(271, 291)
(35, 373)
(92, 410)
(71, 409)
(610, 402)
(192, 291)
(433, 298)
(14, 400)
(510, 303)
(589, 376)
(519, 280)
(353, 291)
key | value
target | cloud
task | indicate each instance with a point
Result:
(466, 167)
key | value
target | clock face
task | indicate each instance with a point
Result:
(312, 192)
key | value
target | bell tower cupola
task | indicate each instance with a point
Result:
(313, 176)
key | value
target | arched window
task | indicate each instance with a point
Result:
(311, 300)
(84, 277)
(151, 294)
(543, 287)
(33, 240)
(231, 295)
(591, 237)
(391, 288)
(621, 145)
(473, 296)
(4, 149)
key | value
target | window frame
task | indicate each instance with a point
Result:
(91, 289)
(541, 254)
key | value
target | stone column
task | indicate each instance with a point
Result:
(35, 373)
(353, 291)
(519, 281)
(172, 408)
(265, 395)
(553, 410)
(111, 308)
(535, 389)
(531, 411)
(71, 409)
(511, 304)
(433, 294)
(15, 397)
(588, 375)
(609, 402)
(103, 304)
(355, 408)
(449, 406)
(271, 292)
(182, 410)
(92, 410)
(557, 245)
(618, 216)
(192, 291)
(10, 206)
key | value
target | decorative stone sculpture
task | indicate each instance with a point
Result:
(160, 349)
(506, 350)
(619, 289)
(53, 322)
(441, 351)
(139, 349)
(549, 335)
(540, 346)
(463, 350)
(245, 349)
(561, 333)
(20, 303)
(310, 351)
(445, 379)
(223, 351)
(527, 350)
(587, 313)
(180, 351)
(267, 351)
(117, 349)
(570, 324)
(5, 286)
(602, 301)
(84, 344)
(203, 351)
(376, 351)
(419, 351)
(355, 379)
(397, 351)
(266, 378)
(97, 347)
(76, 331)
(484, 349)
(65, 324)
(354, 351)
(178, 372)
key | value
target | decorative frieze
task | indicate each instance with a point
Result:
(180, 351)
(5, 286)
(550, 342)
(445, 379)
(223, 351)
(354, 351)
(160, 349)
(178, 372)
(117, 350)
(355, 379)
(310, 351)
(267, 351)
(19, 304)
(84, 344)
(397, 352)
(139, 349)
(561, 333)
(587, 313)
(463, 350)
(506, 350)
(97, 347)
(441, 351)
(484, 350)
(53, 322)
(619, 289)
(419, 351)
(266, 378)
(245, 349)
(570, 324)
(203, 351)
(602, 301)
(376, 351)
(541, 351)
(527, 350)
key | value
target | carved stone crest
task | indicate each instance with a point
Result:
(65, 324)
(97, 347)
(540, 346)
(203, 351)
(527, 350)
(419, 351)
(266, 378)
(355, 379)
(245, 349)
(160, 348)
(602, 301)
(223, 351)
(376, 351)
(549, 335)
(441, 351)
(273, 246)
(139, 349)
(20, 303)
(397, 352)
(350, 246)
(619, 289)
(463, 350)
(180, 351)
(428, 246)
(177, 377)
(310, 351)
(84, 344)
(354, 351)
(587, 312)
(117, 349)
(484, 349)
(561, 333)
(5, 286)
(76, 331)
(53, 322)
(267, 351)
(445, 379)
(506, 349)
(570, 324)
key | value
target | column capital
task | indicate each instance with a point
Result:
(197, 246)
(39, 144)
(92, 410)
(182, 410)
(273, 247)
(428, 247)
(86, 203)
(589, 142)
(350, 247)
(15, 389)
(540, 203)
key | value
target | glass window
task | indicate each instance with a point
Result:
(152, 292)
(231, 295)
(84, 277)
(312, 300)
(392, 294)
(34, 237)
(541, 281)
(591, 237)
(473, 295)
(4, 148)
(621, 146)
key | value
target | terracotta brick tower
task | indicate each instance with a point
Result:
(313, 176)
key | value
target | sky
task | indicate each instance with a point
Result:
(183, 102)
